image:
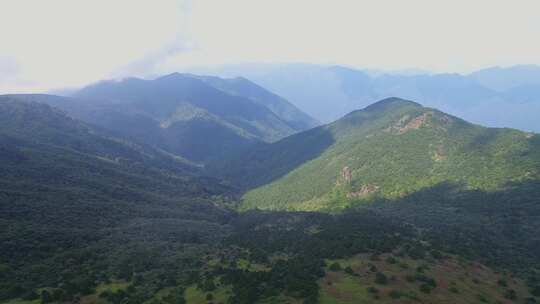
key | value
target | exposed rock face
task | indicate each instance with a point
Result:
(365, 190)
(414, 123)
(345, 176)
(406, 123)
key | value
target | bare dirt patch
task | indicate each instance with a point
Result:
(405, 123)
(365, 190)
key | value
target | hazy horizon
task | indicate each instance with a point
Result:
(62, 44)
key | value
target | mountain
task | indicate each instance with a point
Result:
(48, 154)
(195, 117)
(490, 97)
(69, 190)
(387, 150)
(314, 89)
(241, 86)
(504, 79)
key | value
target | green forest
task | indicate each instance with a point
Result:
(394, 203)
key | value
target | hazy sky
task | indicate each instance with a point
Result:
(63, 43)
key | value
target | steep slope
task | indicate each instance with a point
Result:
(181, 114)
(240, 86)
(70, 193)
(387, 150)
(47, 152)
(86, 217)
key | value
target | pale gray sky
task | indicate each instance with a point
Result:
(64, 43)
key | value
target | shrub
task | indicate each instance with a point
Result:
(481, 298)
(426, 288)
(410, 278)
(535, 291)
(380, 278)
(391, 260)
(395, 294)
(510, 294)
(45, 297)
(335, 266)
(30, 295)
(453, 289)
(425, 279)
(436, 254)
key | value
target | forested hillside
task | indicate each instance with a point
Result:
(90, 217)
(387, 150)
(76, 203)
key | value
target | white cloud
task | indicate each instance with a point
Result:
(70, 42)
(431, 34)
(9, 69)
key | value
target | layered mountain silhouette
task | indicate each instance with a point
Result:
(45, 151)
(195, 117)
(496, 97)
(386, 150)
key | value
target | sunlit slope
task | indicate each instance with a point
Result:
(390, 149)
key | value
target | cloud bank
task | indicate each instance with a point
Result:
(61, 43)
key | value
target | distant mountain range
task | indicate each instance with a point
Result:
(496, 97)
(195, 117)
(388, 150)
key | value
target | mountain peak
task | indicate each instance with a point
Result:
(175, 76)
(391, 102)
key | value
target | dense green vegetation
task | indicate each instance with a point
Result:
(88, 217)
(78, 206)
(388, 150)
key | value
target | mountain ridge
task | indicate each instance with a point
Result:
(488, 97)
(186, 115)
(386, 150)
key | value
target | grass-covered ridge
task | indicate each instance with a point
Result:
(388, 150)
